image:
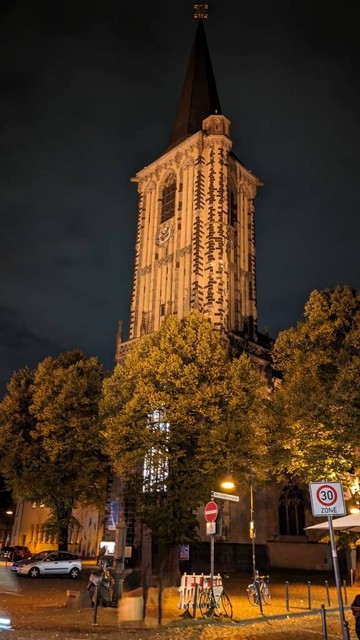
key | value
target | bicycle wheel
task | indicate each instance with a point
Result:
(252, 594)
(206, 604)
(225, 605)
(265, 594)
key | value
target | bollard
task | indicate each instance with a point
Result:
(345, 592)
(352, 579)
(287, 596)
(323, 623)
(327, 593)
(257, 584)
(309, 593)
(195, 599)
(347, 632)
(96, 602)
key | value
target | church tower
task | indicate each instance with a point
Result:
(195, 244)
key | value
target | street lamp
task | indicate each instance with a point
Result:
(228, 482)
(252, 530)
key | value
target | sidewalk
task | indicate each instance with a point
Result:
(281, 620)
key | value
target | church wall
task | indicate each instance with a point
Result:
(298, 555)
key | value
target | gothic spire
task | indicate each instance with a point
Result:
(199, 97)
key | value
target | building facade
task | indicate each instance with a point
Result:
(195, 249)
(195, 244)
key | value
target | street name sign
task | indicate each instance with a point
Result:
(327, 499)
(224, 496)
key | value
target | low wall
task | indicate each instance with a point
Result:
(298, 555)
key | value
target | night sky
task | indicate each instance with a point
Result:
(89, 92)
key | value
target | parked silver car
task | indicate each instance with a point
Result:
(49, 563)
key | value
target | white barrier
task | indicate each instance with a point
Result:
(188, 587)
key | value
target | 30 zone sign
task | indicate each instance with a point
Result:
(327, 499)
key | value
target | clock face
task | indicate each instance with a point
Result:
(163, 235)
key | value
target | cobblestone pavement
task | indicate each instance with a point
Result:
(38, 611)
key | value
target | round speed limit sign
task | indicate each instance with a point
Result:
(327, 499)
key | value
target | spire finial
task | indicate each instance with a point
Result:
(201, 11)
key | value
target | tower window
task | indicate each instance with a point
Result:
(156, 463)
(168, 199)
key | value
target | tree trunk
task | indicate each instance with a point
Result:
(168, 565)
(63, 517)
(63, 538)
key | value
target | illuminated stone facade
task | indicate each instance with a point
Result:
(195, 244)
(199, 252)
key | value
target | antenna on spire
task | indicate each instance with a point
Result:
(201, 11)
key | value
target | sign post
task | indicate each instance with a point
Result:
(327, 499)
(211, 512)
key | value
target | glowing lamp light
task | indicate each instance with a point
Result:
(355, 508)
(228, 483)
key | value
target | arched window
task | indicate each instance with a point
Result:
(291, 511)
(168, 198)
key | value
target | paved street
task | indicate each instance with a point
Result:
(38, 611)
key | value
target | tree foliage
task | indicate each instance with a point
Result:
(50, 436)
(319, 402)
(179, 407)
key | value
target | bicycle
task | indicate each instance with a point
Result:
(259, 586)
(214, 601)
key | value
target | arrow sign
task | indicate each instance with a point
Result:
(211, 511)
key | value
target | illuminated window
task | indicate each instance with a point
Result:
(168, 199)
(291, 511)
(156, 463)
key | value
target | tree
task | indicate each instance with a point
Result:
(176, 412)
(319, 402)
(50, 436)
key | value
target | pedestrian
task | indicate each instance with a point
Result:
(101, 555)
(355, 608)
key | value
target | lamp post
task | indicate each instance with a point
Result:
(252, 530)
(120, 543)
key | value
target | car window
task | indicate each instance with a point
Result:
(51, 557)
(40, 556)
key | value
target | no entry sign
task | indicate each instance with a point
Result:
(211, 511)
(327, 499)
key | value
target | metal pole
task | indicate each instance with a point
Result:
(344, 629)
(96, 602)
(287, 596)
(345, 592)
(327, 592)
(212, 555)
(323, 623)
(252, 526)
(120, 543)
